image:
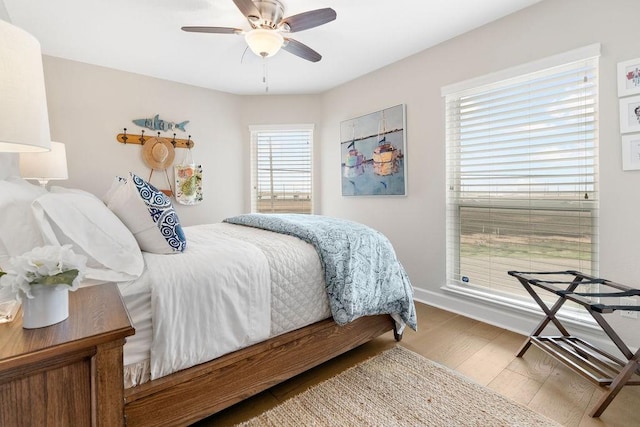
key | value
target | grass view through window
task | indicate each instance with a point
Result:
(522, 176)
(282, 169)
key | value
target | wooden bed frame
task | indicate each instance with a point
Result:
(195, 393)
(71, 373)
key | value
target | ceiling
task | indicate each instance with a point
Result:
(144, 37)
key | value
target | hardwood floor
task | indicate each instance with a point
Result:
(482, 352)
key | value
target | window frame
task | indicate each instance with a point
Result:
(456, 202)
(255, 131)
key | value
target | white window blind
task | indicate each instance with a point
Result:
(522, 176)
(282, 169)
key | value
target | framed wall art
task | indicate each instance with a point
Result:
(630, 114)
(631, 152)
(373, 149)
(629, 77)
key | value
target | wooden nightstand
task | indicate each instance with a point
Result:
(70, 373)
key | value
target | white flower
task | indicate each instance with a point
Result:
(44, 265)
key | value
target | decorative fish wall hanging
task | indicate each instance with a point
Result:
(155, 123)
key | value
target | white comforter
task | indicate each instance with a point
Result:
(229, 279)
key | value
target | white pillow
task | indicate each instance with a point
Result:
(148, 213)
(19, 231)
(115, 186)
(79, 218)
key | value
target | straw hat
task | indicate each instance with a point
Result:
(158, 153)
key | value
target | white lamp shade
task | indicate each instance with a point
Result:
(45, 166)
(264, 42)
(24, 120)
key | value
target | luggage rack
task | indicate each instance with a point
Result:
(594, 364)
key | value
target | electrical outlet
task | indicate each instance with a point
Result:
(629, 301)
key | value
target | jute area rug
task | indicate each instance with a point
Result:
(399, 388)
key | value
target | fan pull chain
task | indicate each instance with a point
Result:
(265, 74)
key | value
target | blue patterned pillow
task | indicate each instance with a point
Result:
(148, 213)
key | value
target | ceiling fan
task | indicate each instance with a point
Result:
(268, 26)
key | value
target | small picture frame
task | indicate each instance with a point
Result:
(630, 114)
(631, 152)
(629, 77)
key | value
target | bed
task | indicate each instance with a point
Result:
(184, 362)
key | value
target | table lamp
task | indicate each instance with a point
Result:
(46, 166)
(24, 119)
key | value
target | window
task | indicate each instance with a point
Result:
(281, 169)
(522, 173)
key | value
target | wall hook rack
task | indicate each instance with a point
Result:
(126, 138)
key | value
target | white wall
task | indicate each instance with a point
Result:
(90, 105)
(283, 110)
(416, 224)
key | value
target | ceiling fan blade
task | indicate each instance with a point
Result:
(216, 30)
(247, 8)
(310, 19)
(301, 50)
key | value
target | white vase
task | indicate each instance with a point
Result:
(49, 305)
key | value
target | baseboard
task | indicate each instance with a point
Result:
(509, 317)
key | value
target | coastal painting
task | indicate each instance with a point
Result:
(373, 153)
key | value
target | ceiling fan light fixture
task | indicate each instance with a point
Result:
(264, 42)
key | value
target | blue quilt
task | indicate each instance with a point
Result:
(362, 274)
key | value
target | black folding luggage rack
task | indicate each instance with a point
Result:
(591, 362)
